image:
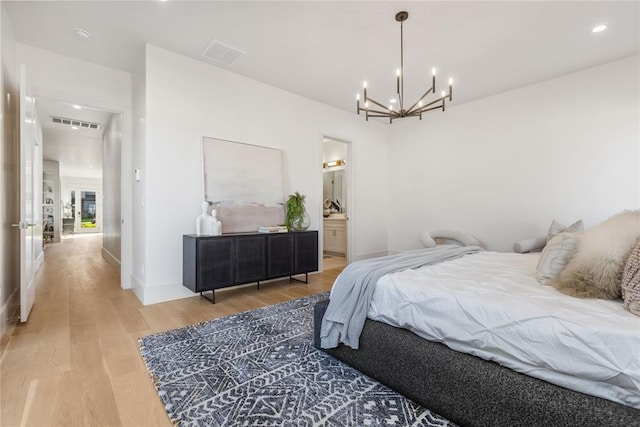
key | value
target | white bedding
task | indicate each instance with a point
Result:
(490, 305)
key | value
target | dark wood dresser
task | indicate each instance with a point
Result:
(214, 262)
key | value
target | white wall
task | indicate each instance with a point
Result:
(111, 190)
(503, 167)
(70, 80)
(188, 99)
(334, 150)
(138, 192)
(9, 213)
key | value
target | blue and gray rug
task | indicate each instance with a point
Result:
(259, 368)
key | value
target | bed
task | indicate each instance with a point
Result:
(480, 341)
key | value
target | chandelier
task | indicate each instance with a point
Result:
(396, 109)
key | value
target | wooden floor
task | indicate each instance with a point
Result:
(334, 261)
(76, 361)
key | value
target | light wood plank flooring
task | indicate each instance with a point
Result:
(330, 261)
(76, 361)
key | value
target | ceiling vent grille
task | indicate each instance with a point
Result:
(74, 122)
(222, 52)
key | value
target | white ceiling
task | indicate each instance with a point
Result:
(79, 151)
(323, 50)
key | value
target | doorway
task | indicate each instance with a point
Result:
(81, 206)
(335, 203)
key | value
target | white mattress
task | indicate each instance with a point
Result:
(490, 305)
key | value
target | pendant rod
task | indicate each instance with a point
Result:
(401, 68)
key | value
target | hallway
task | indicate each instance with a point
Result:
(76, 361)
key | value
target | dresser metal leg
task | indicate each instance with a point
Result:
(212, 298)
(305, 281)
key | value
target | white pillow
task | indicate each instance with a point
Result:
(556, 228)
(432, 238)
(555, 256)
(532, 244)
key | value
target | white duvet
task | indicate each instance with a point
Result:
(490, 305)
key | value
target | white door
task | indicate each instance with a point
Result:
(30, 229)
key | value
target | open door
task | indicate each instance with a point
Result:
(30, 229)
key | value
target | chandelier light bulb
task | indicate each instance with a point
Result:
(398, 72)
(433, 71)
(443, 94)
(450, 81)
(366, 104)
(599, 28)
(364, 84)
(420, 103)
(358, 96)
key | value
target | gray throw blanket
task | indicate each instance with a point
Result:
(353, 289)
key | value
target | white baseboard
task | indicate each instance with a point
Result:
(137, 287)
(159, 293)
(111, 260)
(368, 255)
(168, 292)
(9, 310)
(174, 291)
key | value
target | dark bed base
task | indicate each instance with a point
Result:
(466, 389)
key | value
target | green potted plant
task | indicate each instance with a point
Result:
(296, 218)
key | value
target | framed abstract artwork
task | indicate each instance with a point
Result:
(244, 183)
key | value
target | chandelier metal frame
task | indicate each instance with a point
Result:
(419, 107)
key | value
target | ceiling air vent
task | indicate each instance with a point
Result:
(76, 123)
(221, 52)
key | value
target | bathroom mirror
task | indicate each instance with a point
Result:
(333, 187)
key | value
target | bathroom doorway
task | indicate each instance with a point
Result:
(335, 203)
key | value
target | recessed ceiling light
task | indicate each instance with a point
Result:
(75, 127)
(77, 107)
(83, 34)
(599, 28)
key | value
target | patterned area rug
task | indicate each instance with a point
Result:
(259, 368)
